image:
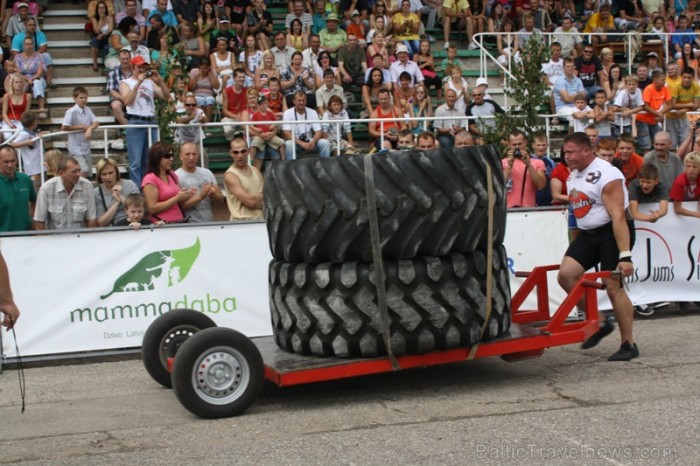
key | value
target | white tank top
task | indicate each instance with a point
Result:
(585, 190)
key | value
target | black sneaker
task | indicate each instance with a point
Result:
(606, 329)
(625, 353)
(644, 310)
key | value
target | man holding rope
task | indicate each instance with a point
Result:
(599, 200)
(7, 303)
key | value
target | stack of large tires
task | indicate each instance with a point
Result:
(432, 212)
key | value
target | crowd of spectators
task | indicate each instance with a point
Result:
(202, 55)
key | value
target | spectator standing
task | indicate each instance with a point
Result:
(110, 193)
(524, 175)
(201, 182)
(627, 103)
(302, 136)
(244, 185)
(66, 201)
(603, 115)
(657, 102)
(139, 93)
(114, 79)
(685, 97)
(668, 164)
(79, 117)
(648, 189)
(17, 194)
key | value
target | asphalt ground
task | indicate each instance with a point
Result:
(567, 407)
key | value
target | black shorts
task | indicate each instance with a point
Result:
(598, 246)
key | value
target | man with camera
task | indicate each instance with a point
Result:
(524, 175)
(302, 131)
(138, 93)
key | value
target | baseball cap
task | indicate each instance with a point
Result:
(22, 4)
(401, 48)
(481, 81)
(355, 13)
(332, 17)
(653, 54)
(138, 60)
(223, 19)
(262, 99)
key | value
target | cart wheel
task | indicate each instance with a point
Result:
(218, 373)
(164, 337)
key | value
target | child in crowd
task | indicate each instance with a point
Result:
(191, 114)
(80, 119)
(451, 60)
(603, 114)
(275, 100)
(605, 149)
(686, 187)
(627, 103)
(264, 135)
(135, 208)
(647, 189)
(30, 150)
(580, 118)
(333, 131)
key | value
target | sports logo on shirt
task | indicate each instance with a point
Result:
(580, 203)
(593, 177)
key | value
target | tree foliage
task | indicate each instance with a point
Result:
(526, 92)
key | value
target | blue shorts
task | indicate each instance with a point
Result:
(205, 100)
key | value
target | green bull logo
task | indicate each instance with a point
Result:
(157, 270)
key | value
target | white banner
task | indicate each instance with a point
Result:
(101, 290)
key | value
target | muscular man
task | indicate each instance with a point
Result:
(198, 207)
(599, 200)
(244, 184)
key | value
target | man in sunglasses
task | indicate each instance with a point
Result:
(589, 70)
(244, 184)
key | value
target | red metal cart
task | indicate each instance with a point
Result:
(219, 372)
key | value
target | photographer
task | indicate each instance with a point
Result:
(138, 93)
(524, 175)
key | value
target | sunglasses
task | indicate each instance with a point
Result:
(190, 105)
(238, 151)
(169, 155)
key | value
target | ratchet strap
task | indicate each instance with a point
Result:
(377, 259)
(489, 262)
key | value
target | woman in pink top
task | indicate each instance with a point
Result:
(160, 186)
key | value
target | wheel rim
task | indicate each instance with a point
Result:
(221, 375)
(172, 341)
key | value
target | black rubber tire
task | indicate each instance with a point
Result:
(429, 204)
(434, 303)
(164, 337)
(219, 372)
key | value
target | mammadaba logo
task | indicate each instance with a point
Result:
(157, 271)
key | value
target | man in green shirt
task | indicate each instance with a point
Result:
(332, 38)
(17, 194)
